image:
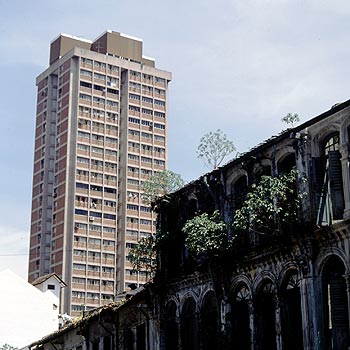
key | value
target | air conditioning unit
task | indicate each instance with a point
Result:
(91, 218)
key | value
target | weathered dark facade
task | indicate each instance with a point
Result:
(284, 290)
(288, 289)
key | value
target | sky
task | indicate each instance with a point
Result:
(238, 66)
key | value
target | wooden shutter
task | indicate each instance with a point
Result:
(336, 184)
(339, 311)
(317, 175)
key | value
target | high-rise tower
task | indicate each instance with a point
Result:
(101, 129)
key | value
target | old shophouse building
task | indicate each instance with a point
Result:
(284, 289)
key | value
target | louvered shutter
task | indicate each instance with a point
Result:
(336, 184)
(317, 175)
(339, 312)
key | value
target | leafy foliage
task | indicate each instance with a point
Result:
(214, 147)
(270, 204)
(274, 201)
(291, 118)
(142, 256)
(206, 233)
(161, 183)
(7, 347)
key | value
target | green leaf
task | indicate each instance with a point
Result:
(274, 200)
(159, 184)
(214, 147)
(206, 234)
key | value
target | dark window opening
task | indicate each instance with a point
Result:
(95, 345)
(292, 335)
(265, 317)
(191, 208)
(129, 339)
(141, 337)
(239, 191)
(170, 327)
(189, 326)
(335, 306)
(286, 164)
(208, 204)
(107, 343)
(240, 323)
(209, 322)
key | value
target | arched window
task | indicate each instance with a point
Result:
(265, 170)
(191, 207)
(239, 191)
(286, 164)
(265, 317)
(240, 335)
(207, 203)
(182, 208)
(209, 322)
(292, 335)
(328, 182)
(335, 305)
(170, 327)
(189, 326)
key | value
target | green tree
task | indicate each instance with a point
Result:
(291, 119)
(206, 233)
(159, 184)
(143, 257)
(214, 147)
(8, 347)
(270, 203)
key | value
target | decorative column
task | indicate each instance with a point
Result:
(251, 324)
(225, 308)
(347, 281)
(197, 332)
(225, 326)
(278, 320)
(178, 323)
(309, 304)
(344, 151)
(307, 307)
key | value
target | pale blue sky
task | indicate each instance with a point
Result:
(237, 65)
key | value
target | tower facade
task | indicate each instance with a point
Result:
(101, 130)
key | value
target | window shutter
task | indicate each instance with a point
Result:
(339, 312)
(336, 184)
(317, 175)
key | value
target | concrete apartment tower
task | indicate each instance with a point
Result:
(101, 129)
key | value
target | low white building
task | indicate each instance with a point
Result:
(28, 312)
